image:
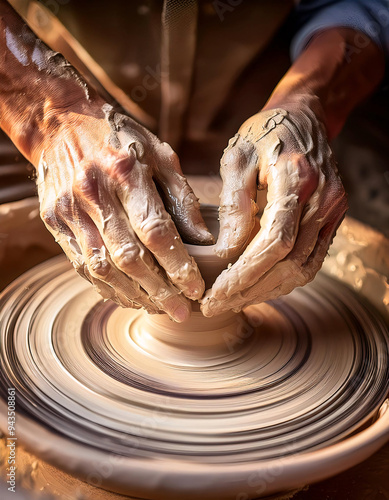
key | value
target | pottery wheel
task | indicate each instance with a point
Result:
(282, 378)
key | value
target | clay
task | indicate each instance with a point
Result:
(208, 411)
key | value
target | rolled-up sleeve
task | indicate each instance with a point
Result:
(370, 17)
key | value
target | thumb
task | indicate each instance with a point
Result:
(180, 200)
(239, 172)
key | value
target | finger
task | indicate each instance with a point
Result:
(239, 172)
(81, 241)
(290, 184)
(67, 241)
(108, 293)
(126, 251)
(180, 200)
(155, 228)
(281, 280)
(109, 281)
(327, 204)
(64, 237)
(290, 273)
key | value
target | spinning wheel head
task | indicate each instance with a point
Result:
(198, 413)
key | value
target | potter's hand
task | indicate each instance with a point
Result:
(97, 181)
(97, 176)
(286, 151)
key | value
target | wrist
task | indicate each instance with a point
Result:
(31, 119)
(294, 99)
(326, 75)
(301, 100)
(63, 121)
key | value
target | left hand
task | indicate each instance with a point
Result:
(285, 150)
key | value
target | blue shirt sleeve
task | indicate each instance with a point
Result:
(370, 17)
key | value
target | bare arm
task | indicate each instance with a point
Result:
(341, 67)
(36, 86)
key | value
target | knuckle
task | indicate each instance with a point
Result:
(48, 216)
(189, 199)
(337, 196)
(173, 160)
(64, 206)
(121, 168)
(136, 149)
(64, 197)
(99, 267)
(284, 243)
(339, 190)
(311, 271)
(342, 194)
(168, 154)
(86, 185)
(239, 157)
(173, 156)
(154, 229)
(232, 159)
(152, 235)
(126, 257)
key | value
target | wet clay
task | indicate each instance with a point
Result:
(202, 411)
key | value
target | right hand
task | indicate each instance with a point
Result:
(284, 149)
(97, 180)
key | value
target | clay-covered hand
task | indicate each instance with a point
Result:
(286, 151)
(115, 199)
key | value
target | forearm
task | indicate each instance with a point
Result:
(37, 85)
(328, 69)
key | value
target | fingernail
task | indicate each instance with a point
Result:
(222, 247)
(207, 236)
(221, 251)
(195, 290)
(208, 307)
(201, 235)
(206, 312)
(181, 314)
(220, 295)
